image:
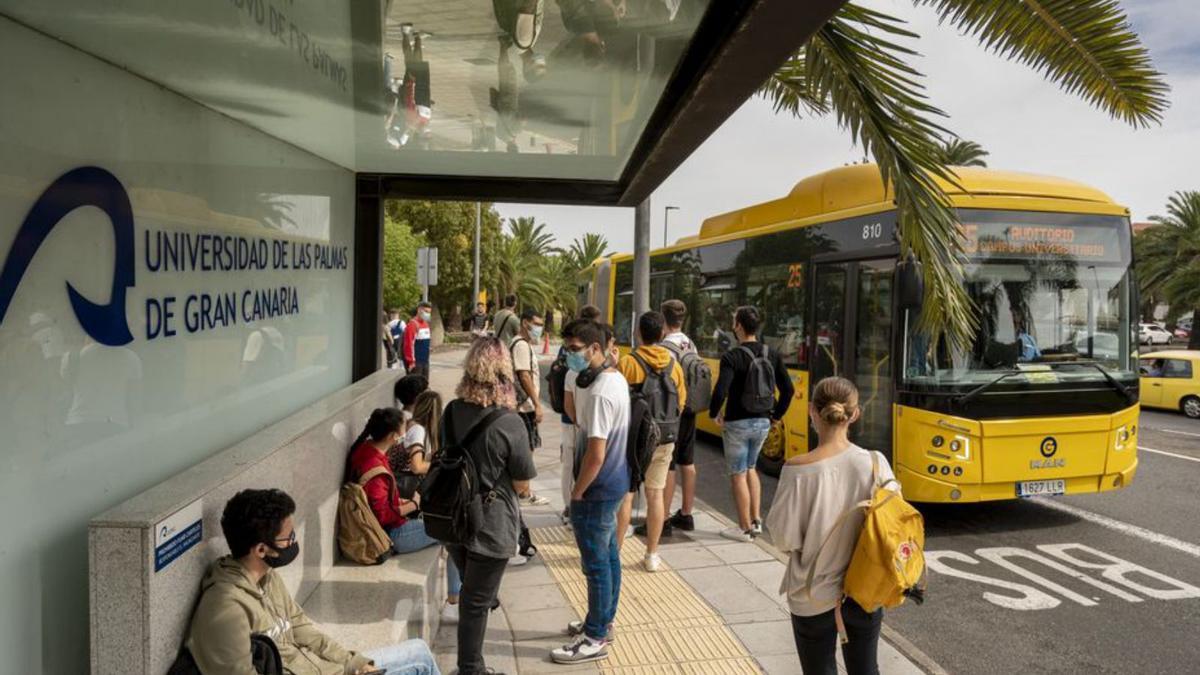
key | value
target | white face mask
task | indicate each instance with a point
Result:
(406, 415)
(425, 316)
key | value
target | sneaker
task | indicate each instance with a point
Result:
(575, 628)
(450, 613)
(581, 650)
(532, 499)
(517, 561)
(667, 530)
(565, 517)
(756, 527)
(683, 521)
(652, 562)
(738, 534)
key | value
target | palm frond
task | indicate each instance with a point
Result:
(856, 62)
(960, 152)
(791, 90)
(1086, 47)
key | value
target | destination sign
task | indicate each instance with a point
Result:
(1004, 240)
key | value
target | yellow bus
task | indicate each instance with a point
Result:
(1045, 400)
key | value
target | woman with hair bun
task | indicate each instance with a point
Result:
(814, 492)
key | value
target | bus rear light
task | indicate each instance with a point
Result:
(955, 495)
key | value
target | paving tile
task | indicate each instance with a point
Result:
(768, 638)
(765, 576)
(530, 598)
(779, 664)
(688, 556)
(543, 624)
(532, 573)
(759, 616)
(727, 591)
(735, 553)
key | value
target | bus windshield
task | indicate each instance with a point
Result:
(1053, 297)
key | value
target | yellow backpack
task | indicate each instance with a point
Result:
(360, 536)
(888, 563)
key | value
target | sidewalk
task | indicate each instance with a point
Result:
(712, 608)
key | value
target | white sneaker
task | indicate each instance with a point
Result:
(450, 613)
(532, 499)
(756, 528)
(737, 534)
(517, 560)
(581, 650)
(652, 562)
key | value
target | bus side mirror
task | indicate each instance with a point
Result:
(910, 284)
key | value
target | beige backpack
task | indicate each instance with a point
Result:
(360, 536)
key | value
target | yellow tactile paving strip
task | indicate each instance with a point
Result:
(662, 626)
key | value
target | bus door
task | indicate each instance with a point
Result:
(852, 337)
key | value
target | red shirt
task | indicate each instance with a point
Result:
(381, 490)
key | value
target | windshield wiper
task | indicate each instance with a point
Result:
(1112, 381)
(964, 398)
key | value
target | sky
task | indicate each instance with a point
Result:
(1023, 120)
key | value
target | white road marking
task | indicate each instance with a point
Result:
(1123, 527)
(1176, 431)
(1169, 454)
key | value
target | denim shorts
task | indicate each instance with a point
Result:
(743, 440)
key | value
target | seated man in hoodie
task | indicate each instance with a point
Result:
(242, 594)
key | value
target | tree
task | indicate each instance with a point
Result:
(400, 289)
(532, 236)
(958, 152)
(583, 252)
(450, 226)
(1168, 256)
(856, 67)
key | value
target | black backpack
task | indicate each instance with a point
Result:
(263, 654)
(557, 382)
(643, 438)
(452, 493)
(758, 388)
(696, 375)
(661, 395)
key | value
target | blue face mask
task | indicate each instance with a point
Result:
(535, 332)
(577, 362)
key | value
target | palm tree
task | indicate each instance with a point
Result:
(1168, 255)
(856, 67)
(958, 152)
(533, 237)
(583, 252)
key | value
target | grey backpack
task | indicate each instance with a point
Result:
(661, 395)
(758, 389)
(696, 375)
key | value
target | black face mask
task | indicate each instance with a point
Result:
(286, 555)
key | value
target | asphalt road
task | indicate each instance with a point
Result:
(1106, 583)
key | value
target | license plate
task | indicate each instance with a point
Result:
(1032, 488)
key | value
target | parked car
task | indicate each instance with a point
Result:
(1105, 346)
(1182, 333)
(1153, 334)
(1171, 379)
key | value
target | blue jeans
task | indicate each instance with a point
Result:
(595, 527)
(743, 440)
(411, 537)
(411, 657)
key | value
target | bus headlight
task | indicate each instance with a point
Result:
(938, 441)
(1122, 438)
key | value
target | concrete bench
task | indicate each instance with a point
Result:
(141, 600)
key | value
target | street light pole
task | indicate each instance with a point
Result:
(666, 219)
(475, 287)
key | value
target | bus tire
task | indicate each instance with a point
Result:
(1190, 406)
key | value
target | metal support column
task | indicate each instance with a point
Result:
(641, 262)
(368, 278)
(475, 285)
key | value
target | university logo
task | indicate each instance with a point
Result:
(85, 186)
